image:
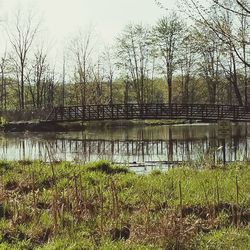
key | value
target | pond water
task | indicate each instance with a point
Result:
(140, 147)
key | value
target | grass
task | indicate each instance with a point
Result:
(101, 206)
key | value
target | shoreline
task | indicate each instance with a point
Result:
(44, 126)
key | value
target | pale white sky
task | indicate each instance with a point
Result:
(63, 17)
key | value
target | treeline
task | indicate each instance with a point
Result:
(201, 60)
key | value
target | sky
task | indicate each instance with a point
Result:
(61, 18)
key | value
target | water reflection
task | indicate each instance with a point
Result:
(148, 146)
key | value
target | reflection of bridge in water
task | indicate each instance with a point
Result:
(157, 146)
(153, 151)
(142, 152)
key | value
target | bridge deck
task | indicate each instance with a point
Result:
(203, 112)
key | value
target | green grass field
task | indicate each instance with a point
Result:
(99, 206)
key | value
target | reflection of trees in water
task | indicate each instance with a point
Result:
(127, 150)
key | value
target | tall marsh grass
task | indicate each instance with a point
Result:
(101, 206)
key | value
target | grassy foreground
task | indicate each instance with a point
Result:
(99, 206)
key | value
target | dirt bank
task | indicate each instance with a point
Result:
(41, 126)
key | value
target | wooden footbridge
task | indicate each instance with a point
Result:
(201, 112)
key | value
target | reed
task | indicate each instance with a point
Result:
(62, 205)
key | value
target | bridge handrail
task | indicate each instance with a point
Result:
(149, 110)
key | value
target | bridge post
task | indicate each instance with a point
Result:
(69, 113)
(103, 112)
(55, 113)
(98, 112)
(169, 105)
(62, 113)
(126, 110)
(88, 112)
(83, 112)
(141, 110)
(117, 112)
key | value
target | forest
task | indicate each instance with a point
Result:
(199, 54)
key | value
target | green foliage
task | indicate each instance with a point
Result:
(4, 166)
(106, 167)
(3, 121)
(231, 238)
(67, 206)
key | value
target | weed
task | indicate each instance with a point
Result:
(101, 206)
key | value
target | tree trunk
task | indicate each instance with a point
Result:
(235, 82)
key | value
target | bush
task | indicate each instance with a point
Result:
(107, 168)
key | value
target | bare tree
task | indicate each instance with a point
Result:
(3, 88)
(188, 56)
(168, 36)
(134, 57)
(22, 37)
(109, 64)
(209, 49)
(213, 15)
(82, 48)
(50, 90)
(227, 20)
(244, 36)
(97, 79)
(36, 77)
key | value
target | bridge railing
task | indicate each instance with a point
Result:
(150, 111)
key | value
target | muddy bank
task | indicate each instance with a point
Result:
(41, 126)
(132, 123)
(45, 126)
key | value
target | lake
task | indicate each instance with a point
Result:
(141, 147)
